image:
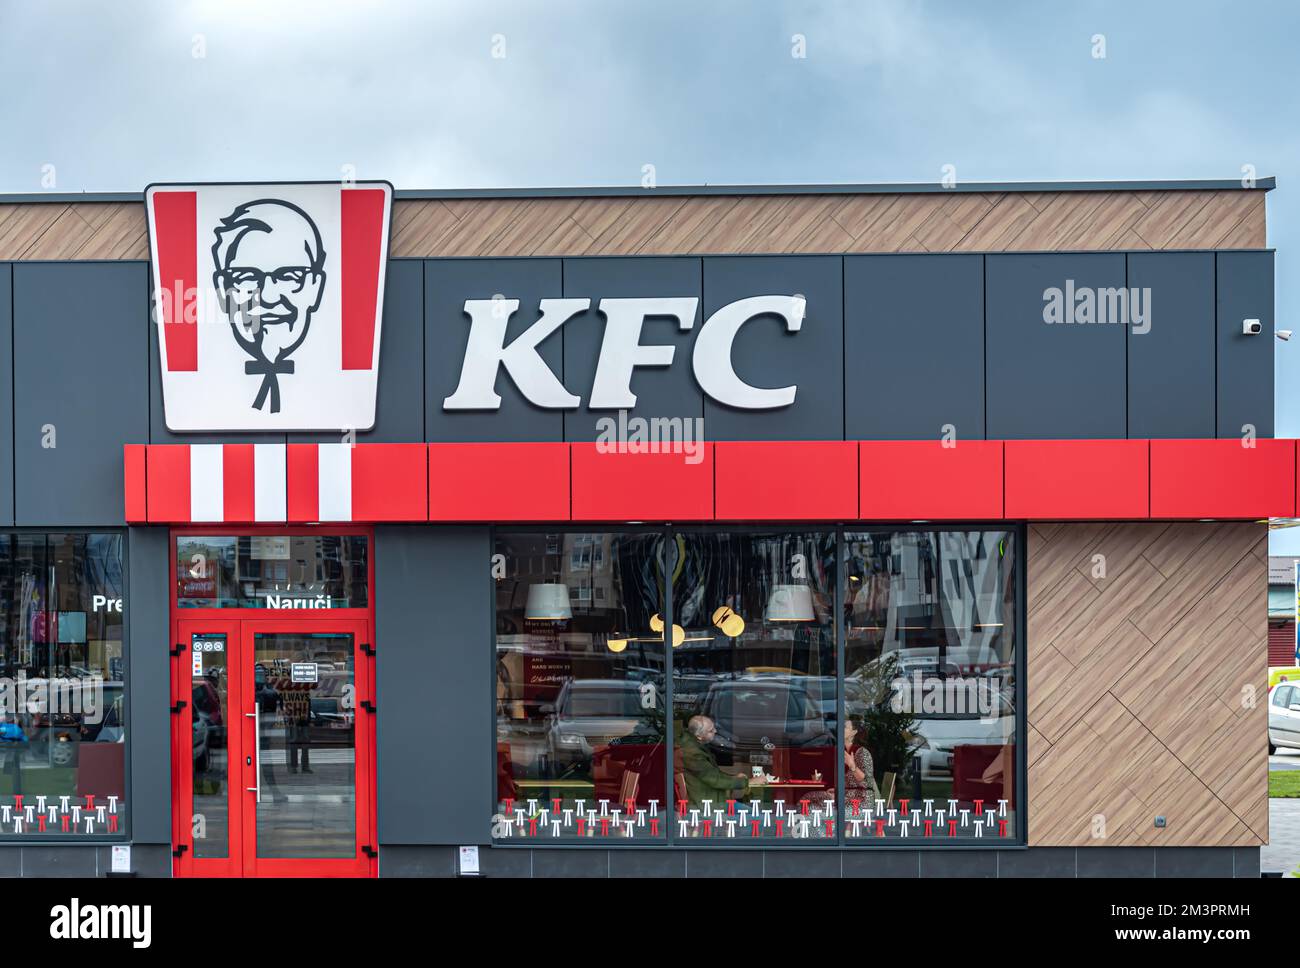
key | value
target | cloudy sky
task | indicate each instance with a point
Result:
(114, 96)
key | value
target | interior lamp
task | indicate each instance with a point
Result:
(790, 603)
(548, 602)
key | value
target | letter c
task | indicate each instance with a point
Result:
(712, 357)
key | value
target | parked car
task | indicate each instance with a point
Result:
(756, 715)
(1284, 717)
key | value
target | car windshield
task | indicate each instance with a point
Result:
(603, 701)
(773, 704)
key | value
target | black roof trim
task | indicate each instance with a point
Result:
(625, 191)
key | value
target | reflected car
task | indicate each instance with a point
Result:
(1283, 717)
(755, 715)
(590, 714)
(944, 732)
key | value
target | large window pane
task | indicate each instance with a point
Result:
(62, 721)
(931, 684)
(580, 686)
(272, 571)
(754, 686)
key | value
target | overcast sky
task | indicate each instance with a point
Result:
(114, 96)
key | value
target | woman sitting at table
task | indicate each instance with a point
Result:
(859, 777)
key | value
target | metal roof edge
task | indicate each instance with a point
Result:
(632, 191)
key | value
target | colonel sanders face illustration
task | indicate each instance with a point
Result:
(270, 277)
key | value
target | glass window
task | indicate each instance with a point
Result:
(580, 686)
(930, 669)
(1282, 696)
(272, 571)
(62, 721)
(754, 697)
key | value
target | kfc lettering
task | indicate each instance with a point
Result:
(621, 351)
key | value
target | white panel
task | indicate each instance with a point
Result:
(269, 488)
(335, 494)
(207, 483)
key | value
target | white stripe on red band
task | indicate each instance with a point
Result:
(269, 494)
(207, 482)
(334, 480)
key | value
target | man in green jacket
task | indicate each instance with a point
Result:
(704, 781)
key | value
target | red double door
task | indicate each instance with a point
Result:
(273, 747)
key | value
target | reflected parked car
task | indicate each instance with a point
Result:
(758, 714)
(589, 714)
(1283, 717)
(944, 732)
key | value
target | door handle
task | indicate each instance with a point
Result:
(257, 756)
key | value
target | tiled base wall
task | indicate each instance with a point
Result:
(1127, 862)
(72, 860)
(154, 860)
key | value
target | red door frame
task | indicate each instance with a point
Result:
(239, 626)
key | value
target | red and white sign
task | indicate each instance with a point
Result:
(269, 300)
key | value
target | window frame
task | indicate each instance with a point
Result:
(837, 531)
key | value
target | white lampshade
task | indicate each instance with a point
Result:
(548, 601)
(790, 603)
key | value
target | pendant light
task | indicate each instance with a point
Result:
(548, 601)
(728, 622)
(790, 603)
(657, 626)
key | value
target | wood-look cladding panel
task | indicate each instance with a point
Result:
(722, 224)
(1139, 683)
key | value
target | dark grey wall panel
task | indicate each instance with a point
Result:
(6, 395)
(1171, 364)
(669, 391)
(913, 346)
(765, 355)
(80, 366)
(447, 284)
(148, 693)
(399, 406)
(433, 656)
(1245, 363)
(1051, 381)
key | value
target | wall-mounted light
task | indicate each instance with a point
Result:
(790, 603)
(548, 601)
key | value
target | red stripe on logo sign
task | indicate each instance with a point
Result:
(362, 215)
(302, 473)
(175, 228)
(237, 482)
(134, 480)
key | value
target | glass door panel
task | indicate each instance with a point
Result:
(209, 715)
(305, 693)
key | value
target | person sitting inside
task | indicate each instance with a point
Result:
(704, 781)
(859, 772)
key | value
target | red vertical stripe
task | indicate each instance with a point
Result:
(302, 473)
(237, 482)
(134, 471)
(175, 220)
(167, 469)
(362, 214)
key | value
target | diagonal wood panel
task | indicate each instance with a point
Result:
(692, 225)
(1147, 653)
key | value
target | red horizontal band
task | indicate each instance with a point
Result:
(736, 481)
(806, 480)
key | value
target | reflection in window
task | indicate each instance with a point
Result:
(930, 674)
(272, 571)
(580, 685)
(62, 721)
(754, 697)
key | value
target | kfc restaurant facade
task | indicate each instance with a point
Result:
(824, 530)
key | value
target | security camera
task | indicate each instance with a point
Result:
(1283, 334)
(1251, 327)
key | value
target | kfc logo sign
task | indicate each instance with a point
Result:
(269, 300)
